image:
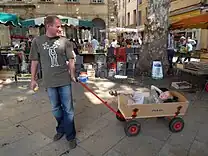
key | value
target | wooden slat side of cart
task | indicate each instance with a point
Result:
(153, 110)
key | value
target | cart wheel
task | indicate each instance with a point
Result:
(132, 128)
(176, 125)
(161, 117)
(120, 118)
(206, 87)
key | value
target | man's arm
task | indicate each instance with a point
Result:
(71, 66)
(34, 63)
(70, 57)
(34, 67)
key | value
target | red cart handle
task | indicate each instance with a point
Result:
(104, 102)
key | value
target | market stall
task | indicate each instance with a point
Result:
(73, 28)
(69, 24)
(39, 23)
(125, 37)
(6, 21)
(195, 68)
(10, 60)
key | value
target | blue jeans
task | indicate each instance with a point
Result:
(63, 110)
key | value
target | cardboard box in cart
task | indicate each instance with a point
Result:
(153, 110)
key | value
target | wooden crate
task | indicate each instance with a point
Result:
(5, 74)
(204, 60)
(204, 56)
(91, 73)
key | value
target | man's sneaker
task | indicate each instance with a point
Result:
(58, 136)
(72, 143)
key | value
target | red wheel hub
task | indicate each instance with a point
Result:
(133, 129)
(178, 125)
(206, 87)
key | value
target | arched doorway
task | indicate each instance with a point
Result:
(99, 24)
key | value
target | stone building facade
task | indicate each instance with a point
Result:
(101, 12)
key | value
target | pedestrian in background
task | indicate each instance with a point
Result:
(171, 52)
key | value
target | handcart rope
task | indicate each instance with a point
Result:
(104, 102)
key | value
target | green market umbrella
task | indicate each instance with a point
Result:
(40, 21)
(6, 18)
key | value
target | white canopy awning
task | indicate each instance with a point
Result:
(119, 30)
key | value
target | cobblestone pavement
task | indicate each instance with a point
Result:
(27, 125)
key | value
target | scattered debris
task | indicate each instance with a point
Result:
(4, 144)
(30, 92)
(66, 152)
(24, 87)
(181, 85)
(8, 81)
(21, 99)
(18, 126)
(1, 86)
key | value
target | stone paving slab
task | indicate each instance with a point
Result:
(33, 112)
(96, 111)
(90, 129)
(104, 139)
(38, 122)
(198, 149)
(12, 134)
(82, 120)
(186, 139)
(5, 123)
(49, 130)
(157, 128)
(5, 113)
(52, 149)
(114, 152)
(98, 131)
(196, 114)
(170, 150)
(26, 145)
(201, 135)
(200, 104)
(78, 151)
(141, 145)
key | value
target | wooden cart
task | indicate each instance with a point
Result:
(171, 111)
(129, 113)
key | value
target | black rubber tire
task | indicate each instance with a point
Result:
(176, 125)
(122, 119)
(132, 128)
(161, 117)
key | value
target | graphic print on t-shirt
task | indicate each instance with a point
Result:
(52, 52)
